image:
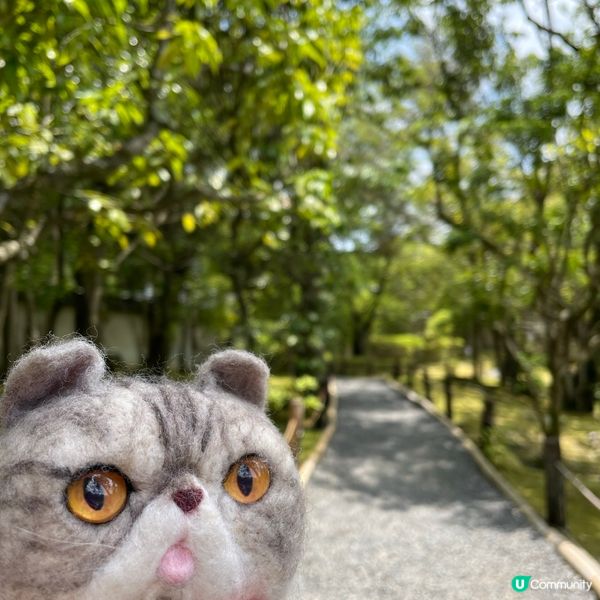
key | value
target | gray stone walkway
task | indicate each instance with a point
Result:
(398, 510)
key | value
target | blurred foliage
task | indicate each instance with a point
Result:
(283, 389)
(188, 141)
(399, 343)
(309, 180)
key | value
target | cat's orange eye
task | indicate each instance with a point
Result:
(248, 480)
(98, 496)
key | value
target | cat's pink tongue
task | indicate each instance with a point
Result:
(177, 565)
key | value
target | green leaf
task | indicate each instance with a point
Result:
(164, 34)
(150, 238)
(188, 222)
(81, 7)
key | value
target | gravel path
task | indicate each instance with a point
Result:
(398, 510)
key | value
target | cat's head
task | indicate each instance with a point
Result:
(128, 489)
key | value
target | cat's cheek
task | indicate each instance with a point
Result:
(221, 565)
(132, 569)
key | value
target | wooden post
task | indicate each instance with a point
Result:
(325, 396)
(426, 383)
(487, 418)
(410, 376)
(448, 394)
(295, 426)
(396, 369)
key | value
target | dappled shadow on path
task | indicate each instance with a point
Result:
(393, 455)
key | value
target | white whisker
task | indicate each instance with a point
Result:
(63, 541)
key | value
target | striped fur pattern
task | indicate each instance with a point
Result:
(164, 436)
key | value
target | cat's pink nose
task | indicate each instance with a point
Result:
(188, 500)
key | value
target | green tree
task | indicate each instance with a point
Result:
(508, 151)
(130, 129)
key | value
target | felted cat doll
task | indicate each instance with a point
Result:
(127, 489)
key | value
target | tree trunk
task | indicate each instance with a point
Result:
(32, 332)
(360, 337)
(555, 493)
(59, 270)
(158, 342)
(558, 360)
(160, 313)
(185, 342)
(88, 299)
(11, 343)
(158, 338)
(4, 317)
(52, 318)
(243, 324)
(308, 356)
(363, 321)
(507, 363)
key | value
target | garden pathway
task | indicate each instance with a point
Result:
(397, 509)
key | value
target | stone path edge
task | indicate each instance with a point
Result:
(576, 556)
(307, 468)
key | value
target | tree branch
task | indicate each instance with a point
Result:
(446, 218)
(591, 11)
(549, 30)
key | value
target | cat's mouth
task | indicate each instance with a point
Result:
(177, 566)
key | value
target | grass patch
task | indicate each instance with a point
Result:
(515, 449)
(281, 388)
(310, 439)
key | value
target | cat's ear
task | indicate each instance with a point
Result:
(240, 373)
(48, 370)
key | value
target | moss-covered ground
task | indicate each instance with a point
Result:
(515, 448)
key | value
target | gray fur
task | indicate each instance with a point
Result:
(63, 414)
(240, 373)
(48, 371)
